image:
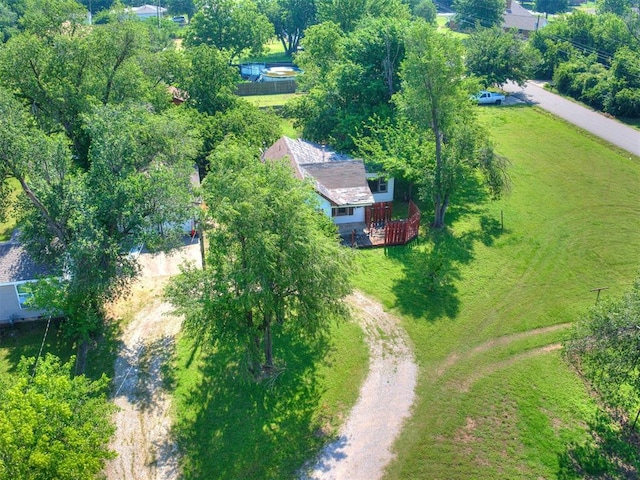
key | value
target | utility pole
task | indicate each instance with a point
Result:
(158, 13)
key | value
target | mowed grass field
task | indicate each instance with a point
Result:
(487, 306)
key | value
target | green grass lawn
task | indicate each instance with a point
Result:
(487, 308)
(274, 53)
(265, 101)
(230, 427)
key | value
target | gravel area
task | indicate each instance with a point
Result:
(364, 445)
(143, 440)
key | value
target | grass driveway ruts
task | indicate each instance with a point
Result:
(487, 304)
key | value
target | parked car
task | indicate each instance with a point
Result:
(180, 20)
(485, 97)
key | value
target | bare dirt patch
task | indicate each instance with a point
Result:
(453, 358)
(143, 440)
(467, 383)
(364, 445)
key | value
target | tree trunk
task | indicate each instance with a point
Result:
(440, 211)
(268, 345)
(253, 348)
(633, 426)
(202, 250)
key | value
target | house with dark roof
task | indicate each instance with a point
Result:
(344, 187)
(18, 271)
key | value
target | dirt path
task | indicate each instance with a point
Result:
(363, 448)
(143, 425)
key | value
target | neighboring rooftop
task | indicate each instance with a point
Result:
(518, 17)
(16, 265)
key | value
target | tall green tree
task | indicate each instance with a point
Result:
(235, 26)
(290, 18)
(617, 7)
(434, 97)
(485, 13)
(60, 79)
(83, 221)
(51, 17)
(552, 6)
(52, 424)
(8, 22)
(354, 81)
(273, 261)
(603, 346)
(496, 57)
(208, 79)
(345, 13)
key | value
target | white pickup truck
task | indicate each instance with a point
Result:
(484, 97)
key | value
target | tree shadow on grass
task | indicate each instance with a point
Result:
(233, 427)
(432, 268)
(25, 340)
(432, 262)
(611, 453)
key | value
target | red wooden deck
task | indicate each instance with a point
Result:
(380, 231)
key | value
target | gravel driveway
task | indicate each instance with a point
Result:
(364, 445)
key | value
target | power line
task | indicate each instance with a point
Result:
(44, 338)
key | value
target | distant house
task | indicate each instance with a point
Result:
(148, 11)
(18, 271)
(344, 187)
(519, 18)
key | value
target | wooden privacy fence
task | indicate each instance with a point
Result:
(266, 88)
(403, 231)
(378, 212)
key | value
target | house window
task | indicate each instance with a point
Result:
(341, 211)
(378, 185)
(25, 292)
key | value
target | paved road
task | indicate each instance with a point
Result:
(611, 130)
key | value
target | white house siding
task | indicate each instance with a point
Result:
(358, 213)
(357, 217)
(388, 195)
(10, 307)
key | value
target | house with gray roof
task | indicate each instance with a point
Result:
(343, 185)
(148, 11)
(519, 18)
(18, 271)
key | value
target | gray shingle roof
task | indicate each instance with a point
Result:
(522, 19)
(338, 177)
(16, 265)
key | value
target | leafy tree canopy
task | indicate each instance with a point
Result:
(552, 6)
(485, 13)
(617, 7)
(604, 348)
(440, 110)
(236, 26)
(65, 77)
(352, 77)
(290, 18)
(209, 79)
(273, 263)
(496, 57)
(52, 424)
(135, 190)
